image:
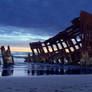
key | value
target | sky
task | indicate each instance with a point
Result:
(25, 21)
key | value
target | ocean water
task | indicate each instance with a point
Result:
(21, 68)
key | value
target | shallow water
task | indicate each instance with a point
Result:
(20, 68)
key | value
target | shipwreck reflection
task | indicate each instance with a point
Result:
(59, 70)
(7, 71)
(45, 72)
(42, 69)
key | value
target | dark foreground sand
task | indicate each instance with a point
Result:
(63, 83)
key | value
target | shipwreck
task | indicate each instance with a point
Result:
(70, 46)
(7, 57)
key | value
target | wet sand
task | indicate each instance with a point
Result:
(55, 83)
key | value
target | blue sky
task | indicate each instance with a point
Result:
(24, 21)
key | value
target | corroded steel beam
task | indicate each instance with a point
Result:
(80, 31)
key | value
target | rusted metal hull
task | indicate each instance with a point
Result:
(71, 46)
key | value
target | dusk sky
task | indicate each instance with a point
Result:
(25, 21)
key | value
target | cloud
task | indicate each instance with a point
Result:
(19, 36)
(41, 13)
(23, 21)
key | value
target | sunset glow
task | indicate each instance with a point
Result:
(20, 49)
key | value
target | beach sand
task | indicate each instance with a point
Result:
(51, 83)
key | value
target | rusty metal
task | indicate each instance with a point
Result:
(71, 46)
(6, 56)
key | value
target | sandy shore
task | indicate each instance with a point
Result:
(63, 83)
